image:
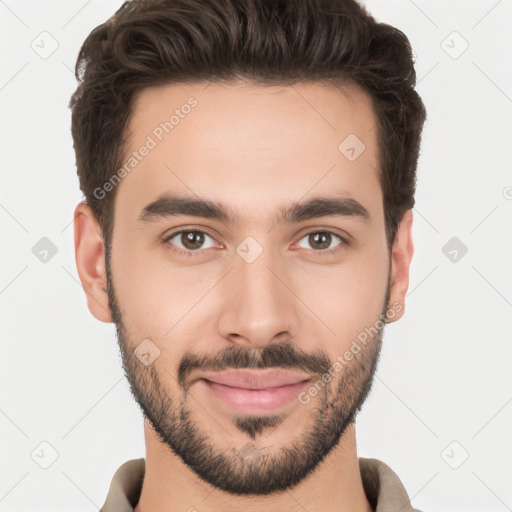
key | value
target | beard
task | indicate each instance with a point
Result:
(249, 470)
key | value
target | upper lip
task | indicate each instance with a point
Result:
(255, 379)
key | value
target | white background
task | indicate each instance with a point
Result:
(445, 373)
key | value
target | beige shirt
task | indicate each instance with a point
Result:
(383, 488)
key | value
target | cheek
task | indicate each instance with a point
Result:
(157, 297)
(347, 297)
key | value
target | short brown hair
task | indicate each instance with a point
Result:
(269, 42)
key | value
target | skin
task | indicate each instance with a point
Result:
(255, 149)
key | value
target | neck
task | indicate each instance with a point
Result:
(171, 486)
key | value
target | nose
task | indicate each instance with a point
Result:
(258, 307)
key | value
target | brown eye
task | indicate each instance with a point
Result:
(190, 240)
(320, 240)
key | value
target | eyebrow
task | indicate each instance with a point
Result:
(172, 205)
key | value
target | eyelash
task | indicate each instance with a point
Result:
(201, 252)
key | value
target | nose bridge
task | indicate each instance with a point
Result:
(258, 305)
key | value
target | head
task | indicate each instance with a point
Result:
(249, 171)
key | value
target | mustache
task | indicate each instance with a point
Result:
(285, 355)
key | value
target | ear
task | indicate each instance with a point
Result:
(90, 261)
(401, 257)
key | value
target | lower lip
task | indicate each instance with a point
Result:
(256, 401)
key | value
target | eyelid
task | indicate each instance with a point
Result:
(172, 232)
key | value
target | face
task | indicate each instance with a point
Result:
(244, 238)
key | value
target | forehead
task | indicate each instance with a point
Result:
(257, 145)
(253, 112)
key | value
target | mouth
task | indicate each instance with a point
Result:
(256, 379)
(255, 392)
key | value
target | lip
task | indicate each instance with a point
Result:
(256, 379)
(255, 392)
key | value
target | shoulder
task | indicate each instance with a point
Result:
(383, 487)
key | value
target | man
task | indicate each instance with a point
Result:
(249, 175)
